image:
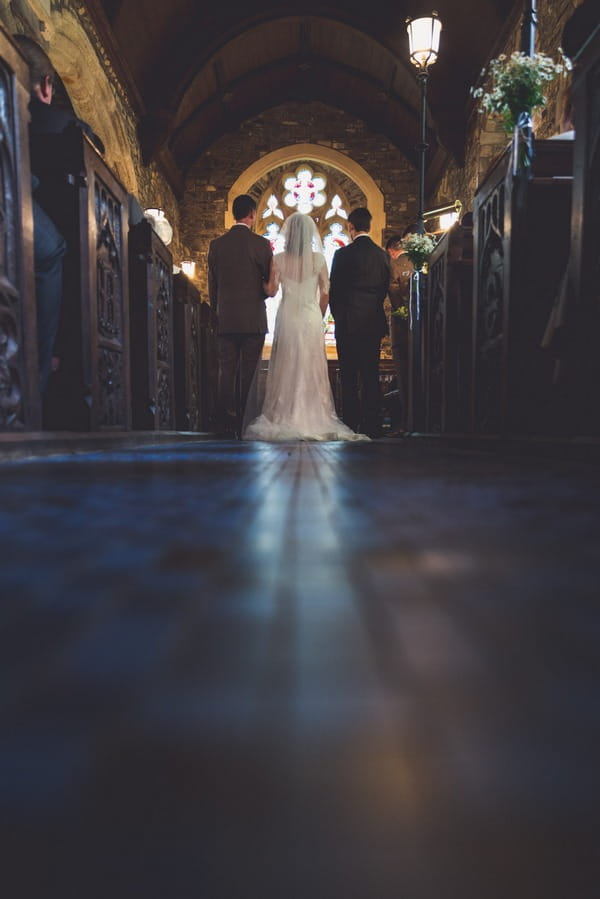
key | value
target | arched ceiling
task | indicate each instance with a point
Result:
(195, 70)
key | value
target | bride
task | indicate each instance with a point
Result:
(297, 403)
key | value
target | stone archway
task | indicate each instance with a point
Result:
(316, 153)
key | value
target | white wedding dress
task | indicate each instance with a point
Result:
(298, 403)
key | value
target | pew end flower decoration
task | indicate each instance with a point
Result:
(401, 312)
(515, 84)
(418, 248)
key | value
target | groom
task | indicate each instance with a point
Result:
(360, 276)
(239, 264)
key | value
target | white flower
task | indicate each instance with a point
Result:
(515, 84)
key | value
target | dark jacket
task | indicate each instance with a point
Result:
(360, 276)
(238, 263)
(46, 120)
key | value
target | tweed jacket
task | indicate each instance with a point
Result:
(238, 263)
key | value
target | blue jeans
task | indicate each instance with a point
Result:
(49, 248)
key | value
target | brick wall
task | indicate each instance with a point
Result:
(96, 95)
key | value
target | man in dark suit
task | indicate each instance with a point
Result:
(49, 246)
(360, 276)
(239, 266)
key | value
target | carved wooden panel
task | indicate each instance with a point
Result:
(521, 239)
(108, 370)
(449, 335)
(188, 397)
(152, 373)
(19, 379)
(489, 308)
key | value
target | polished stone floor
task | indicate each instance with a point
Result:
(242, 671)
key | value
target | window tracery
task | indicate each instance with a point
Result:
(304, 191)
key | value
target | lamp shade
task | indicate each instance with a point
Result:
(188, 267)
(160, 223)
(424, 39)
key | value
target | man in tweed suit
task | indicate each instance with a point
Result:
(239, 265)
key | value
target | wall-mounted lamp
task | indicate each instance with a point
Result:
(188, 267)
(160, 223)
(447, 220)
(447, 215)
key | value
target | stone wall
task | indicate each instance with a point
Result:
(211, 177)
(485, 138)
(69, 38)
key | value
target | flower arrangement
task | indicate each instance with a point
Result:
(418, 248)
(516, 84)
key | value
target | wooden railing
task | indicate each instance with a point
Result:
(20, 406)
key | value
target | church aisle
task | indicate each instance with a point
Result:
(245, 671)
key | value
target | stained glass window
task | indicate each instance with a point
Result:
(335, 238)
(273, 235)
(273, 209)
(336, 208)
(304, 191)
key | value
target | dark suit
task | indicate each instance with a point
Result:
(238, 263)
(49, 246)
(360, 276)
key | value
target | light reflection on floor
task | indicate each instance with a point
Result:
(301, 670)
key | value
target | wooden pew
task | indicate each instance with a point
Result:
(152, 369)
(189, 412)
(521, 245)
(448, 341)
(91, 390)
(20, 404)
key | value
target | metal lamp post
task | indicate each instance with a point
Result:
(424, 41)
